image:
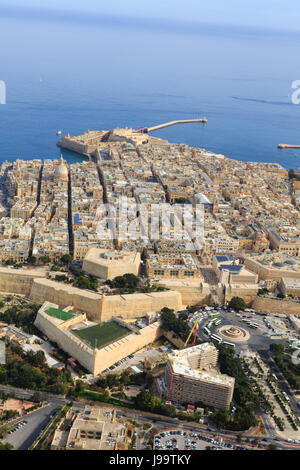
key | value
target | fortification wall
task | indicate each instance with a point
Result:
(137, 305)
(191, 293)
(173, 339)
(96, 308)
(114, 352)
(66, 340)
(73, 321)
(247, 292)
(99, 359)
(18, 281)
(276, 306)
(63, 295)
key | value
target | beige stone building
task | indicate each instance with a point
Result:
(92, 344)
(290, 286)
(94, 428)
(182, 266)
(109, 264)
(273, 266)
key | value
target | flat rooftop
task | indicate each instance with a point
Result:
(60, 314)
(181, 365)
(99, 336)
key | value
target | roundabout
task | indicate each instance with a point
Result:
(233, 333)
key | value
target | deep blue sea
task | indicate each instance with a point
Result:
(73, 76)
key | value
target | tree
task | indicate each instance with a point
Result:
(66, 259)
(37, 397)
(4, 430)
(221, 418)
(37, 359)
(148, 402)
(168, 410)
(127, 281)
(272, 446)
(237, 303)
(276, 348)
(80, 386)
(6, 446)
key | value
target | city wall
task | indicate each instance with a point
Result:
(114, 352)
(170, 336)
(19, 281)
(95, 360)
(247, 292)
(103, 308)
(137, 305)
(286, 307)
(66, 340)
(64, 295)
(192, 293)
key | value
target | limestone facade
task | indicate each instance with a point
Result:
(108, 265)
(94, 360)
(286, 307)
(103, 308)
(19, 281)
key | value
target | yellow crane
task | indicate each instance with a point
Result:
(195, 333)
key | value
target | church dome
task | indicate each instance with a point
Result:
(61, 171)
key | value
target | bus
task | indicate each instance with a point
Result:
(285, 396)
(216, 338)
(246, 321)
(218, 322)
(231, 345)
(252, 326)
(206, 330)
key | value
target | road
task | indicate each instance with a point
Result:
(281, 380)
(23, 438)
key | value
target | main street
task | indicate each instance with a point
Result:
(158, 422)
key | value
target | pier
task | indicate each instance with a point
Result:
(172, 123)
(288, 146)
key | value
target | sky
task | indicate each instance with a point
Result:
(266, 14)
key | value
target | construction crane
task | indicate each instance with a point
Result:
(194, 329)
(195, 334)
(168, 402)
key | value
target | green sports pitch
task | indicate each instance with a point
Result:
(60, 314)
(99, 336)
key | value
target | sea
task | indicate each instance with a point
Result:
(72, 76)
